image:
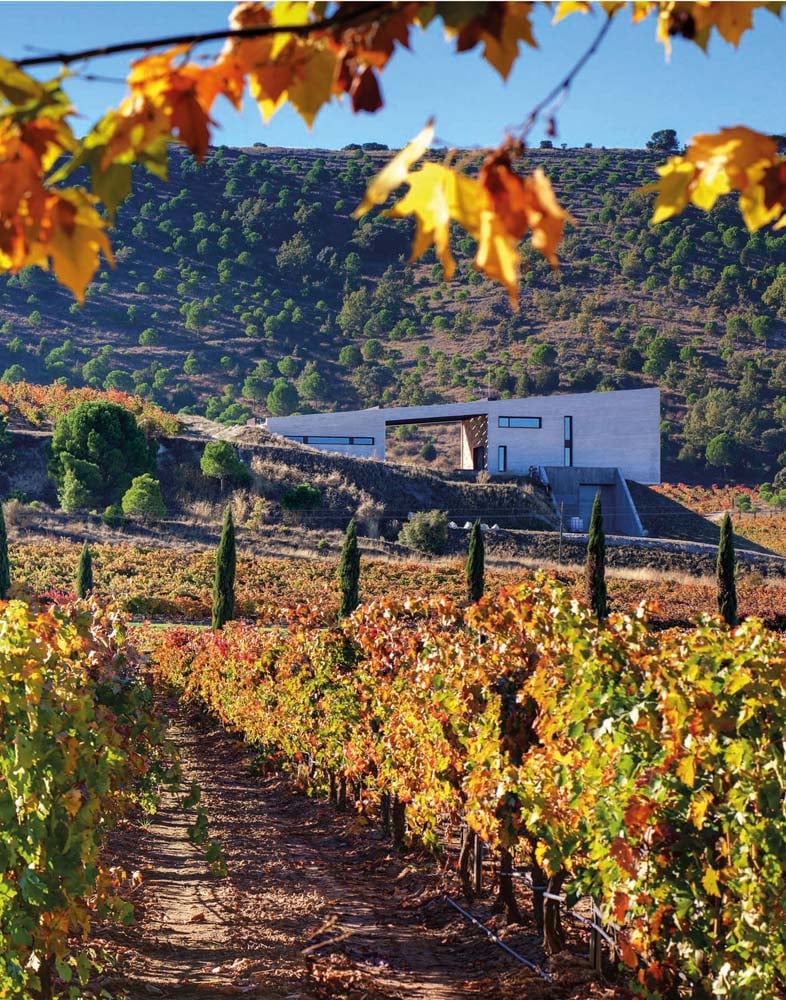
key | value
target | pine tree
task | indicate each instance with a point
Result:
(724, 571)
(5, 566)
(349, 572)
(595, 568)
(475, 564)
(224, 586)
(84, 573)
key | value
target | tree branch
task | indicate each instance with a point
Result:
(342, 18)
(565, 83)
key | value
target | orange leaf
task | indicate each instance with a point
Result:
(546, 216)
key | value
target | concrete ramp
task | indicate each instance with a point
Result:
(573, 491)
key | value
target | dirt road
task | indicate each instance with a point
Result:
(314, 905)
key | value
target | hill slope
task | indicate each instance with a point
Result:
(249, 269)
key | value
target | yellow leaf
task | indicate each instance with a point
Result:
(436, 195)
(710, 882)
(428, 200)
(315, 86)
(698, 807)
(395, 173)
(498, 256)
(755, 212)
(547, 217)
(77, 238)
(732, 20)
(567, 7)
(502, 50)
(673, 188)
(17, 87)
(686, 771)
(73, 802)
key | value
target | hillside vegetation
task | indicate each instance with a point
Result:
(245, 287)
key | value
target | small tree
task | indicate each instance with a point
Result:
(104, 447)
(475, 564)
(224, 584)
(349, 572)
(221, 461)
(595, 568)
(5, 566)
(427, 530)
(84, 573)
(143, 499)
(724, 571)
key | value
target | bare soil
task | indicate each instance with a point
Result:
(315, 904)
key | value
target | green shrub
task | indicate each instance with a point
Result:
(302, 497)
(427, 530)
(113, 516)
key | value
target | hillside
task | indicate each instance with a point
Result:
(243, 286)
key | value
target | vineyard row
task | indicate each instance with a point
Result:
(644, 769)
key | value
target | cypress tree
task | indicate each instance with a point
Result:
(224, 585)
(349, 572)
(595, 568)
(475, 564)
(84, 573)
(724, 571)
(5, 566)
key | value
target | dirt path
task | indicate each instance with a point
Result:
(313, 906)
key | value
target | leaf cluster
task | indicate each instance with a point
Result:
(648, 767)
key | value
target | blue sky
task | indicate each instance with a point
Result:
(625, 93)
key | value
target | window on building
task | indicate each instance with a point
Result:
(532, 422)
(568, 442)
(502, 458)
(328, 439)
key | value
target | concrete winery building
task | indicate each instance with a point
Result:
(577, 444)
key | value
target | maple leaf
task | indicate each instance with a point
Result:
(497, 255)
(429, 201)
(395, 173)
(507, 192)
(715, 164)
(77, 237)
(709, 881)
(547, 217)
(500, 27)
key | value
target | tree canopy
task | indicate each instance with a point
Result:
(305, 54)
(97, 449)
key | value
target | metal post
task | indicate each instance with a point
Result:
(561, 522)
(477, 871)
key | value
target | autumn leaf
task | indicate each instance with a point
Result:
(72, 801)
(77, 238)
(686, 770)
(547, 217)
(709, 881)
(620, 906)
(428, 200)
(396, 172)
(497, 255)
(500, 27)
(695, 21)
(734, 159)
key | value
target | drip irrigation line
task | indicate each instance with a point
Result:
(498, 941)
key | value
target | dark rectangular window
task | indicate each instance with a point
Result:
(328, 439)
(502, 458)
(568, 442)
(532, 422)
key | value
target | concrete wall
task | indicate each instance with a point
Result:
(610, 429)
(617, 429)
(350, 423)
